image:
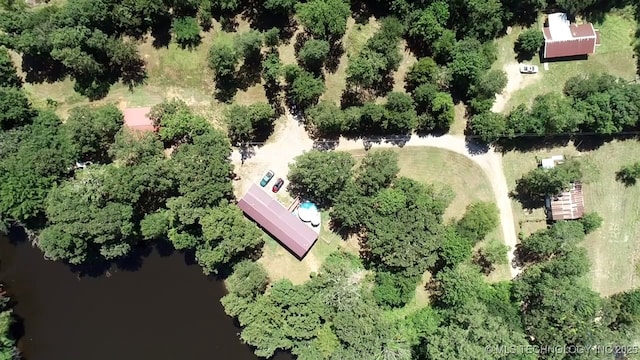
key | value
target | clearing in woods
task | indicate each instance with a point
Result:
(614, 249)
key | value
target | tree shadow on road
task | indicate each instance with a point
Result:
(475, 147)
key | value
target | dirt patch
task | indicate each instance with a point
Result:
(289, 140)
(280, 264)
(515, 82)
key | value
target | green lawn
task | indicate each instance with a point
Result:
(614, 56)
(614, 248)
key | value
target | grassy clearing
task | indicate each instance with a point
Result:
(443, 168)
(614, 248)
(280, 264)
(460, 121)
(408, 59)
(614, 56)
(172, 73)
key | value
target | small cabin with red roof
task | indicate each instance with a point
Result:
(138, 119)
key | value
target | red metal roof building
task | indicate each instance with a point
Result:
(138, 119)
(563, 39)
(273, 217)
(568, 205)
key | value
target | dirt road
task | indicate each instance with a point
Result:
(290, 140)
(516, 81)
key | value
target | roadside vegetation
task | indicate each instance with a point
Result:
(593, 104)
(240, 66)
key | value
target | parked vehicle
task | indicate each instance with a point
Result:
(277, 185)
(528, 69)
(267, 177)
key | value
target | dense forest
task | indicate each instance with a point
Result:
(176, 184)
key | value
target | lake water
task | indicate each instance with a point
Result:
(162, 308)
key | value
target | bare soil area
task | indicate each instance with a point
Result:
(515, 82)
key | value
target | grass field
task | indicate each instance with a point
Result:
(614, 249)
(172, 73)
(614, 56)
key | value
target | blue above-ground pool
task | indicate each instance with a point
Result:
(308, 212)
(308, 205)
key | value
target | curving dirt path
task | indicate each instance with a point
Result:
(291, 139)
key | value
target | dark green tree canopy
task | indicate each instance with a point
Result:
(131, 148)
(249, 123)
(187, 32)
(15, 108)
(32, 159)
(324, 19)
(325, 120)
(541, 182)
(8, 73)
(377, 170)
(320, 176)
(529, 43)
(83, 40)
(313, 54)
(84, 224)
(478, 221)
(226, 235)
(370, 69)
(223, 58)
(203, 170)
(425, 71)
(400, 115)
(403, 230)
(177, 123)
(93, 130)
(304, 88)
(488, 126)
(249, 279)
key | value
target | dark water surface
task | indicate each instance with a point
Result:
(165, 310)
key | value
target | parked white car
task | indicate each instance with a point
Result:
(528, 69)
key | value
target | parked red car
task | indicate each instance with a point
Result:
(277, 185)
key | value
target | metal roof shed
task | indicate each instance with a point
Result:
(569, 205)
(138, 119)
(274, 218)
